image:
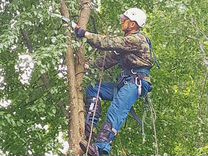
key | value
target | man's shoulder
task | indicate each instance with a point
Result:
(140, 36)
(136, 37)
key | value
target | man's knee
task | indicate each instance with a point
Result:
(91, 92)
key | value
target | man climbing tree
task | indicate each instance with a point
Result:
(132, 52)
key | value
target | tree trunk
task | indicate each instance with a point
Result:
(83, 20)
(74, 135)
(75, 73)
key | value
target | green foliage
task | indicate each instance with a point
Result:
(42, 103)
(178, 31)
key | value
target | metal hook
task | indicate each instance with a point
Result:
(133, 72)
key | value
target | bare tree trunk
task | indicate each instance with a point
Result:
(74, 134)
(83, 20)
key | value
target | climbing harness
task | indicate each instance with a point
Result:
(134, 76)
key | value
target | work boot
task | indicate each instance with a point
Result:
(102, 146)
(90, 107)
(107, 134)
(93, 149)
(105, 138)
(87, 132)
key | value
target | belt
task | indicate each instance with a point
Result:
(143, 73)
(137, 71)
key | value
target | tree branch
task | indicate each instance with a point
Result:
(27, 41)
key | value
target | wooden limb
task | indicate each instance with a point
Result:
(27, 41)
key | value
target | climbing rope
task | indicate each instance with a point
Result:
(153, 116)
(143, 122)
(97, 97)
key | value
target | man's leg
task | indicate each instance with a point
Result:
(106, 93)
(116, 117)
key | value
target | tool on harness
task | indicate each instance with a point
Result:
(71, 23)
(138, 82)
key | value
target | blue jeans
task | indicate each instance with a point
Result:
(122, 101)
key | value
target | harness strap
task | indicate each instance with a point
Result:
(136, 71)
(135, 116)
(152, 52)
(143, 73)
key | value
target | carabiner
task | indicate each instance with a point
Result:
(133, 72)
(136, 81)
(139, 86)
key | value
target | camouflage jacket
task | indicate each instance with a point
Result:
(129, 52)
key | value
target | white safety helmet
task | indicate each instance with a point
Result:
(137, 15)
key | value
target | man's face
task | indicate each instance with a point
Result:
(124, 23)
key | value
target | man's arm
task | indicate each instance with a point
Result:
(111, 60)
(128, 44)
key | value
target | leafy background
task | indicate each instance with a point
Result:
(36, 113)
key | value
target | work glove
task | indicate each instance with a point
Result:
(80, 33)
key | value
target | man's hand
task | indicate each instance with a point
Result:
(80, 33)
(86, 66)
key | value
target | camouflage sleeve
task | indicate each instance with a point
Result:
(110, 61)
(119, 44)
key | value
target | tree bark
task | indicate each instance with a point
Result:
(83, 20)
(75, 73)
(74, 134)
